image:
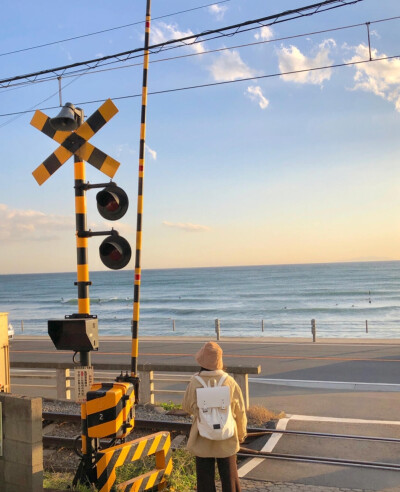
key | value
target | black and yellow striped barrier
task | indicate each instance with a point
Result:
(76, 142)
(108, 460)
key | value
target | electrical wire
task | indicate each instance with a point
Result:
(315, 8)
(189, 55)
(5, 123)
(225, 82)
(139, 64)
(108, 30)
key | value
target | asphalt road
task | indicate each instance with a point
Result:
(350, 361)
(377, 362)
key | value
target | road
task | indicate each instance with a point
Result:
(351, 360)
(365, 411)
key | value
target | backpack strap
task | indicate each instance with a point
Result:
(223, 377)
(201, 380)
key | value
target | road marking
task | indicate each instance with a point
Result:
(346, 385)
(267, 448)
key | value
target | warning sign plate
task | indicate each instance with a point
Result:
(84, 378)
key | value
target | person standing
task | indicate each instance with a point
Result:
(208, 451)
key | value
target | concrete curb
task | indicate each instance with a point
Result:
(351, 386)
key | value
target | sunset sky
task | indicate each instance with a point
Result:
(298, 168)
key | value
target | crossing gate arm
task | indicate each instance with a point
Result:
(108, 460)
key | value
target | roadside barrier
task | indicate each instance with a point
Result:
(59, 382)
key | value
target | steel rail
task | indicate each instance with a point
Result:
(251, 431)
(250, 453)
(70, 443)
(139, 423)
(323, 434)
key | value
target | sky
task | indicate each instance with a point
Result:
(290, 168)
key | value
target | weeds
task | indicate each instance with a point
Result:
(183, 477)
(170, 406)
(258, 415)
(62, 481)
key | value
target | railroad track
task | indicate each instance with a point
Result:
(245, 452)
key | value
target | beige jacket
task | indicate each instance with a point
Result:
(205, 448)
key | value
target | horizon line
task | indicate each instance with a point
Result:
(220, 266)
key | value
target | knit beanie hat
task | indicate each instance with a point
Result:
(210, 356)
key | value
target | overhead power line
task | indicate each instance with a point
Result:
(225, 82)
(87, 71)
(108, 30)
(201, 37)
(33, 108)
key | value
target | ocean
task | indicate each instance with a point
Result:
(283, 299)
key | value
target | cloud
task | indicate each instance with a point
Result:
(123, 228)
(292, 59)
(381, 78)
(188, 227)
(153, 153)
(255, 94)
(265, 33)
(229, 66)
(217, 10)
(124, 149)
(32, 225)
(67, 53)
(162, 32)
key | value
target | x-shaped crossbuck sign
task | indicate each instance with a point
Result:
(76, 142)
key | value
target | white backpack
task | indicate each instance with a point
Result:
(215, 420)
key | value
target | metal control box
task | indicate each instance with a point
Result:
(110, 410)
(77, 334)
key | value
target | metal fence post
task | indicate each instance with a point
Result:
(262, 325)
(217, 328)
(313, 330)
(173, 325)
(366, 326)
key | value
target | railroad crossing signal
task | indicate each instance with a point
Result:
(76, 142)
(112, 201)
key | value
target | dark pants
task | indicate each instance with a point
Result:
(205, 469)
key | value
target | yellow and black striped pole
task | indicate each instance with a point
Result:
(136, 296)
(81, 242)
(82, 267)
(82, 276)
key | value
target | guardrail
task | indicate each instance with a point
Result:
(60, 378)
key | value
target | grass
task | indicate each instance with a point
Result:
(170, 405)
(183, 477)
(62, 481)
(258, 415)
